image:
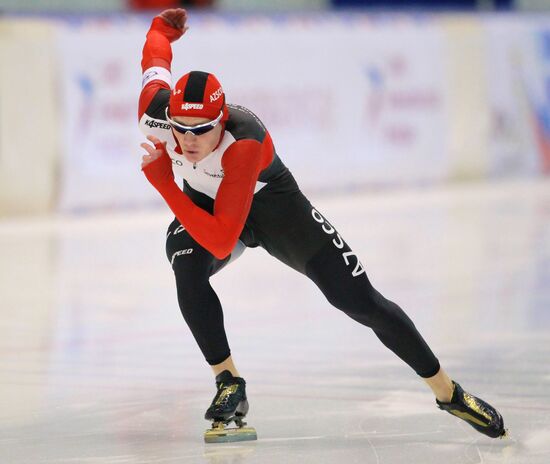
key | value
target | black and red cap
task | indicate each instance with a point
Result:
(198, 94)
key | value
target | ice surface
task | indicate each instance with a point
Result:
(97, 365)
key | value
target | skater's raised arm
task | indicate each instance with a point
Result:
(156, 60)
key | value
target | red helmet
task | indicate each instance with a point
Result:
(198, 94)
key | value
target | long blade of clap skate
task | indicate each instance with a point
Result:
(230, 435)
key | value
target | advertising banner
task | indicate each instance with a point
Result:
(348, 100)
(518, 72)
(99, 85)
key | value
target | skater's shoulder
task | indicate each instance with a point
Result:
(244, 124)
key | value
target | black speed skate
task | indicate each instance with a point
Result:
(229, 404)
(479, 414)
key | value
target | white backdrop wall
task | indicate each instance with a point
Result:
(29, 131)
(351, 100)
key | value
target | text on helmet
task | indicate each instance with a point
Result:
(217, 94)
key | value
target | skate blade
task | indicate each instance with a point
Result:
(223, 435)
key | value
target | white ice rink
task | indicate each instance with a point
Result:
(98, 366)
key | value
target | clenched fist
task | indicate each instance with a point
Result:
(175, 18)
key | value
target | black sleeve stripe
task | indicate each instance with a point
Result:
(157, 107)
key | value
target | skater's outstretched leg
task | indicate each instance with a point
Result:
(342, 278)
(338, 273)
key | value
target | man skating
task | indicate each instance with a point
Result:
(237, 193)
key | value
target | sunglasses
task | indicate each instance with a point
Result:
(199, 129)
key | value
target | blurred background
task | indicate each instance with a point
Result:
(357, 94)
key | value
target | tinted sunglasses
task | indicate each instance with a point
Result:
(199, 129)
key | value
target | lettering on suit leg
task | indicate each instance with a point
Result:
(358, 266)
(338, 242)
(177, 230)
(187, 251)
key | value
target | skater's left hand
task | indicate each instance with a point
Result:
(156, 164)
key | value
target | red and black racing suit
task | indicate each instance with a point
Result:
(244, 195)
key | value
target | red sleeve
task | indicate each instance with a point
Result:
(156, 52)
(218, 233)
